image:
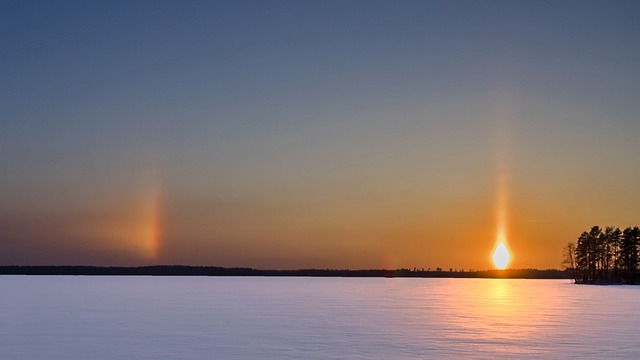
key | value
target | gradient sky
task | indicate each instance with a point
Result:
(298, 134)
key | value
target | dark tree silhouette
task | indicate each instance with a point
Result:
(596, 252)
(568, 259)
(584, 257)
(606, 256)
(629, 253)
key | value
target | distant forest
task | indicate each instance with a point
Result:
(605, 256)
(179, 270)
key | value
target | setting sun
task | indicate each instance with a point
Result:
(501, 256)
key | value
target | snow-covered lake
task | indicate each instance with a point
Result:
(57, 317)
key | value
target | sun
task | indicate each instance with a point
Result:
(501, 256)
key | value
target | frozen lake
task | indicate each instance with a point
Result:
(57, 317)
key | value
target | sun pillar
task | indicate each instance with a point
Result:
(500, 255)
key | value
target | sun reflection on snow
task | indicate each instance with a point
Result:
(495, 314)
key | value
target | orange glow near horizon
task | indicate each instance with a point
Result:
(137, 229)
(133, 226)
(148, 239)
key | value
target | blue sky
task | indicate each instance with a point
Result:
(327, 134)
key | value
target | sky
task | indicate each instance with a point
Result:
(315, 134)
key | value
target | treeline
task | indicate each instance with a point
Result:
(180, 270)
(606, 256)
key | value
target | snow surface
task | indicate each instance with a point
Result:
(57, 317)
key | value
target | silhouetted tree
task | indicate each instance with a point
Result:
(629, 253)
(595, 252)
(583, 249)
(609, 256)
(568, 259)
(605, 246)
(613, 238)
